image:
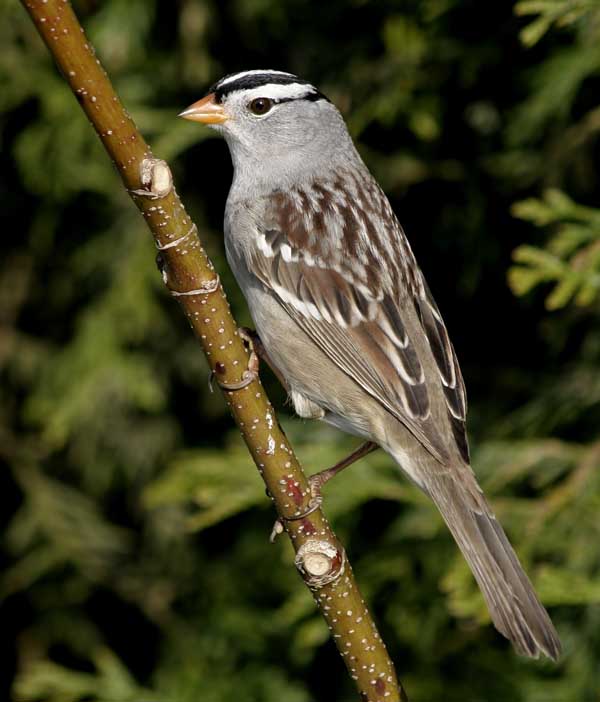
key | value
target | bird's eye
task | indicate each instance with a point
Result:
(260, 106)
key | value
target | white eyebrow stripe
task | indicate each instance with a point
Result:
(275, 91)
(243, 74)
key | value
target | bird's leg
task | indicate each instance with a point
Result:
(316, 482)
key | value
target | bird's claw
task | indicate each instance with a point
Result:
(248, 376)
(316, 500)
(315, 483)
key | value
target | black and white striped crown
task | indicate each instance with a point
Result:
(277, 85)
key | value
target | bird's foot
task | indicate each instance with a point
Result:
(316, 482)
(315, 502)
(248, 376)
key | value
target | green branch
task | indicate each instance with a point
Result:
(190, 277)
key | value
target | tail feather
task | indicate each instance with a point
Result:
(515, 608)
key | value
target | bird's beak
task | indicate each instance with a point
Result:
(207, 111)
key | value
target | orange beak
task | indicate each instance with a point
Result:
(207, 111)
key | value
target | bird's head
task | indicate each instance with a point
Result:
(271, 116)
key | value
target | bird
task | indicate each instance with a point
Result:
(347, 319)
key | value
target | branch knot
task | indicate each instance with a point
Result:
(320, 563)
(156, 179)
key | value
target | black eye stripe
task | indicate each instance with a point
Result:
(313, 96)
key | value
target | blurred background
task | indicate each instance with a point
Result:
(135, 556)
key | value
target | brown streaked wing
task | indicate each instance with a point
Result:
(343, 280)
(361, 336)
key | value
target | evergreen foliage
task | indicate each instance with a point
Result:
(136, 562)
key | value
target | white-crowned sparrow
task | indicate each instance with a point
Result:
(347, 318)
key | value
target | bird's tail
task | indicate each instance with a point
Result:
(515, 608)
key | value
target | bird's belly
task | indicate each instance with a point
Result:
(312, 378)
(298, 360)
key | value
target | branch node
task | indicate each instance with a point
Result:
(156, 179)
(175, 242)
(209, 286)
(276, 530)
(320, 563)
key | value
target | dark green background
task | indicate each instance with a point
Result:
(135, 560)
